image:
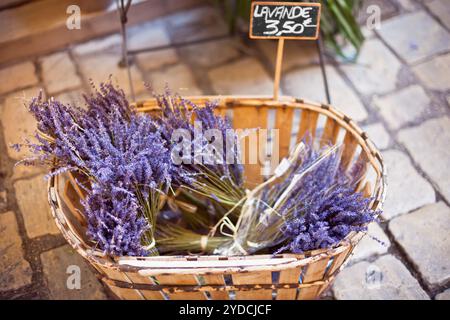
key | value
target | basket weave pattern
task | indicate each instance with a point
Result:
(256, 277)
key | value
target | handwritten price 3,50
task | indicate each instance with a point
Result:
(288, 27)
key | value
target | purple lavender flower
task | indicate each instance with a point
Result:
(177, 114)
(113, 221)
(125, 157)
(324, 207)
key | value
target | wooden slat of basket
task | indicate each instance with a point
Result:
(251, 118)
(258, 265)
(73, 177)
(362, 160)
(113, 273)
(152, 295)
(367, 190)
(283, 122)
(180, 280)
(195, 264)
(73, 203)
(70, 233)
(177, 288)
(334, 268)
(330, 132)
(350, 144)
(275, 157)
(264, 277)
(308, 123)
(216, 279)
(314, 272)
(221, 111)
(126, 294)
(338, 260)
(122, 293)
(97, 268)
(288, 276)
(148, 294)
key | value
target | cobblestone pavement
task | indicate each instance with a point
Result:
(398, 91)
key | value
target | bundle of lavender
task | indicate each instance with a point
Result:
(158, 184)
(125, 158)
(310, 203)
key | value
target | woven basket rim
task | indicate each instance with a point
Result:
(190, 263)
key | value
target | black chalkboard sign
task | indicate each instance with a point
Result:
(285, 20)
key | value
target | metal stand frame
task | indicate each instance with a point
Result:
(124, 5)
(319, 46)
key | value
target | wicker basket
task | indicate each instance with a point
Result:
(258, 277)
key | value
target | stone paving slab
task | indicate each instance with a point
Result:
(384, 279)
(243, 77)
(409, 5)
(58, 73)
(428, 144)
(211, 54)
(308, 83)
(443, 295)
(424, 235)
(378, 134)
(21, 171)
(375, 242)
(179, 78)
(368, 33)
(32, 200)
(149, 61)
(149, 34)
(295, 54)
(403, 106)
(18, 76)
(60, 267)
(434, 73)
(375, 70)
(17, 122)
(198, 23)
(73, 97)
(111, 44)
(407, 190)
(441, 9)
(418, 44)
(387, 9)
(100, 66)
(15, 270)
